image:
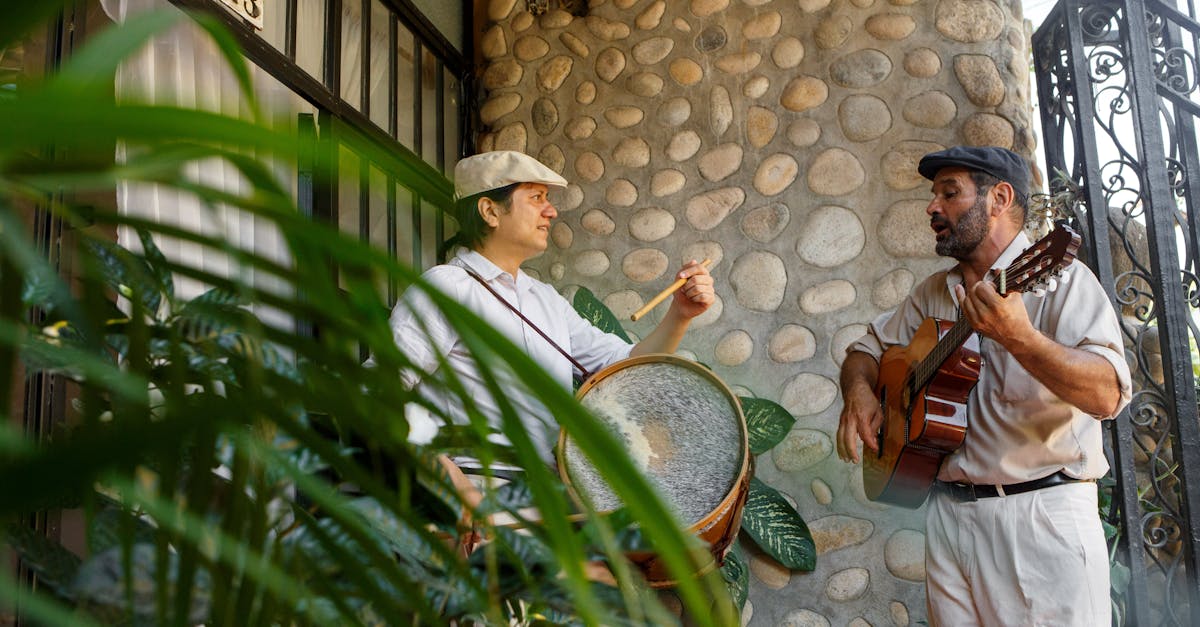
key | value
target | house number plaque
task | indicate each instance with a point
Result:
(249, 10)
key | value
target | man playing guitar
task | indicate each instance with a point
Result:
(1013, 534)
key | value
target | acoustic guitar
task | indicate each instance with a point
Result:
(923, 388)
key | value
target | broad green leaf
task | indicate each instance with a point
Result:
(108, 526)
(595, 311)
(767, 423)
(777, 528)
(737, 578)
(54, 564)
(157, 264)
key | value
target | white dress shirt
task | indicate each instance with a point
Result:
(422, 333)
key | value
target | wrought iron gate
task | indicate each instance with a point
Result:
(1117, 84)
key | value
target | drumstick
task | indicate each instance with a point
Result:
(637, 315)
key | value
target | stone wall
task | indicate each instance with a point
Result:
(778, 138)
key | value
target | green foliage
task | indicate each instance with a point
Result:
(737, 577)
(596, 312)
(775, 528)
(234, 471)
(767, 423)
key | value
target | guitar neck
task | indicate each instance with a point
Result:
(941, 351)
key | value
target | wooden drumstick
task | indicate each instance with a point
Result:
(637, 315)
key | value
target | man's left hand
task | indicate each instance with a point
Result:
(1003, 319)
(697, 294)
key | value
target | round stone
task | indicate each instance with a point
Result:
(562, 235)
(772, 574)
(623, 116)
(932, 109)
(498, 106)
(605, 29)
(788, 53)
(890, 289)
(765, 223)
(899, 165)
(756, 86)
(558, 270)
(705, 8)
(831, 533)
(512, 137)
(544, 115)
(980, 79)
(828, 297)
(720, 110)
(761, 124)
(530, 47)
(644, 84)
(969, 21)
(681, 25)
(804, 132)
(553, 72)
(720, 162)
(803, 93)
(899, 613)
(809, 394)
(653, 50)
(597, 222)
(705, 211)
(848, 584)
(522, 21)
(503, 73)
(758, 280)
(609, 64)
(922, 63)
(812, 6)
(498, 10)
(762, 26)
(821, 492)
(904, 230)
(674, 112)
(835, 172)
(734, 348)
(574, 44)
(557, 18)
(843, 338)
(802, 448)
(703, 250)
(861, 69)
(739, 62)
(792, 343)
(591, 263)
(651, 224)
(711, 39)
(666, 182)
(803, 617)
(988, 129)
(833, 31)
(683, 145)
(632, 152)
(830, 237)
(864, 117)
(585, 93)
(580, 128)
(904, 555)
(644, 264)
(650, 18)
(685, 71)
(552, 156)
(708, 317)
(572, 197)
(493, 44)
(487, 142)
(589, 166)
(623, 303)
(890, 26)
(621, 193)
(775, 174)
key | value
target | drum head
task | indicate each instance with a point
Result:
(681, 425)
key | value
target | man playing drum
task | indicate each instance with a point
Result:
(504, 215)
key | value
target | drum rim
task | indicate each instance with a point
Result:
(725, 504)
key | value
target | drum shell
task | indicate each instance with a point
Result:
(719, 527)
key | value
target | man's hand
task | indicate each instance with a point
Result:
(861, 414)
(697, 294)
(1002, 319)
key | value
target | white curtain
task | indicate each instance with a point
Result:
(184, 68)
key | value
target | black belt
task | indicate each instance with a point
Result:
(973, 492)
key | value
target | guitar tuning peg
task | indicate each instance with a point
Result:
(1063, 277)
(1052, 284)
(1039, 291)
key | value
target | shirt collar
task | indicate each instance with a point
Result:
(1014, 249)
(488, 271)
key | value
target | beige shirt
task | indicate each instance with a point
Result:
(1018, 430)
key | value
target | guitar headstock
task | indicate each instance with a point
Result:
(1038, 267)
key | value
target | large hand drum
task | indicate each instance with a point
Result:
(684, 428)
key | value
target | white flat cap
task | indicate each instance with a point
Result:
(499, 168)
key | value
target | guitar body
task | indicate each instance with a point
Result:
(920, 426)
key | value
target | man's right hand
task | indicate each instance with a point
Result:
(861, 414)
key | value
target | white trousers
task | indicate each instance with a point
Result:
(1037, 558)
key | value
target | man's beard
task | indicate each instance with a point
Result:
(961, 239)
